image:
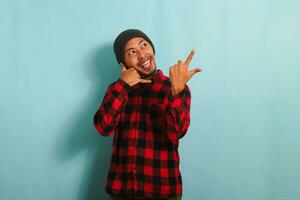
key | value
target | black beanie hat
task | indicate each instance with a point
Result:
(123, 38)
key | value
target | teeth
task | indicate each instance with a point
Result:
(145, 63)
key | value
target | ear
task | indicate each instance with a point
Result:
(125, 66)
(124, 63)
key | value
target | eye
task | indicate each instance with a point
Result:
(144, 44)
(132, 52)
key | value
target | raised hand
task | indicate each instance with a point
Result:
(131, 76)
(180, 74)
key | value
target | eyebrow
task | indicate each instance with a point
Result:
(126, 50)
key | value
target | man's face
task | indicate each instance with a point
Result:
(139, 55)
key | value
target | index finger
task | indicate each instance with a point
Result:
(189, 58)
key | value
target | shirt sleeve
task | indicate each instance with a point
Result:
(107, 116)
(178, 115)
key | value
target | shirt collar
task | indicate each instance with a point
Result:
(158, 76)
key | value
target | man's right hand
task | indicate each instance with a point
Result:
(131, 76)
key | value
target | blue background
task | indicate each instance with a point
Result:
(56, 60)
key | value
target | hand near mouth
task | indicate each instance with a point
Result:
(131, 76)
(180, 74)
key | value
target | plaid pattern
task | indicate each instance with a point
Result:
(129, 198)
(147, 122)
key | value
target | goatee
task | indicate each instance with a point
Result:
(147, 76)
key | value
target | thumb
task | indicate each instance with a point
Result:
(123, 68)
(195, 71)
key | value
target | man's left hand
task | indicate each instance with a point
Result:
(180, 74)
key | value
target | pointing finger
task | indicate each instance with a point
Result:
(189, 58)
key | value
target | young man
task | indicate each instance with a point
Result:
(147, 113)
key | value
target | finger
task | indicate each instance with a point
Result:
(180, 66)
(131, 69)
(134, 82)
(176, 69)
(198, 69)
(144, 81)
(136, 74)
(123, 68)
(171, 72)
(194, 71)
(189, 58)
(173, 68)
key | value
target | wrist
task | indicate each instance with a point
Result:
(176, 90)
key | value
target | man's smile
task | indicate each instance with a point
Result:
(145, 64)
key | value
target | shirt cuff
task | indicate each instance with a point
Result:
(177, 100)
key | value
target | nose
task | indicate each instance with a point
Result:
(140, 55)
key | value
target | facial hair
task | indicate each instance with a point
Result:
(147, 76)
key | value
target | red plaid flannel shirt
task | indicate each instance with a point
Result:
(147, 122)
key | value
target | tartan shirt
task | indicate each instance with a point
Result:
(147, 122)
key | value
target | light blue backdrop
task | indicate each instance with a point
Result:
(56, 60)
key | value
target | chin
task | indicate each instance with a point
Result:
(147, 74)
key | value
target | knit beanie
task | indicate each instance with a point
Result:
(122, 39)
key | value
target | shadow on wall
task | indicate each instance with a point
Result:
(79, 133)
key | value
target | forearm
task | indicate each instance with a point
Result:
(178, 115)
(107, 116)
